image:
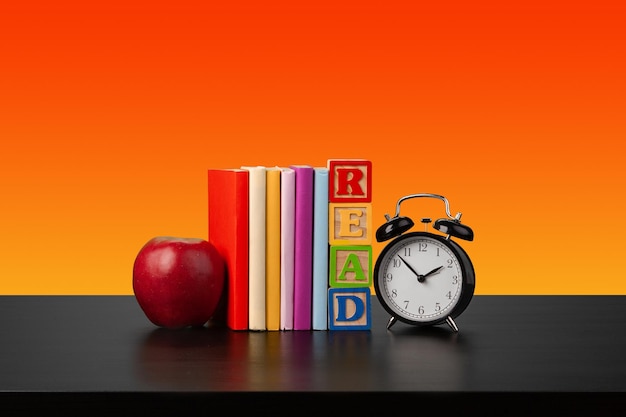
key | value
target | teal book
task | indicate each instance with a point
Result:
(320, 250)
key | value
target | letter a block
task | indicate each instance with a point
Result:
(350, 224)
(350, 181)
(350, 266)
(349, 309)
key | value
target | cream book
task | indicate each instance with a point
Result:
(256, 257)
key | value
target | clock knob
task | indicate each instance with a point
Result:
(454, 228)
(394, 227)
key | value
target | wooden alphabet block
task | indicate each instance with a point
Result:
(349, 309)
(350, 180)
(350, 224)
(350, 266)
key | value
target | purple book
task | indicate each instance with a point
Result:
(303, 248)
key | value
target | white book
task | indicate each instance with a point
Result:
(287, 228)
(256, 262)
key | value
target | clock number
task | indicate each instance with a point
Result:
(455, 280)
(449, 295)
(437, 307)
(388, 277)
(420, 310)
(450, 262)
(421, 247)
(437, 251)
(396, 263)
(407, 251)
(394, 294)
(406, 304)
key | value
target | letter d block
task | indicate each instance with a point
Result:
(350, 180)
(350, 266)
(349, 309)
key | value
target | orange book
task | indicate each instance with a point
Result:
(272, 250)
(228, 232)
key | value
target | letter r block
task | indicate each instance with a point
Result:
(350, 266)
(349, 309)
(350, 180)
(350, 224)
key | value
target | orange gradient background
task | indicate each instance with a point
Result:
(111, 114)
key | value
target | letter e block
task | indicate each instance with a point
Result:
(350, 266)
(350, 224)
(350, 180)
(349, 309)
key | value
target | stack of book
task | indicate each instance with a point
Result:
(271, 225)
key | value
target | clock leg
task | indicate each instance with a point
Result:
(452, 324)
(391, 322)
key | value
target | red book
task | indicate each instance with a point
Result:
(228, 232)
(303, 248)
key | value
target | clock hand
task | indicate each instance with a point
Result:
(433, 272)
(409, 266)
(420, 278)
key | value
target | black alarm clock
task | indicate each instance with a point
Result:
(424, 278)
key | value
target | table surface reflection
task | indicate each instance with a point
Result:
(507, 346)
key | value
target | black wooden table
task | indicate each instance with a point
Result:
(513, 355)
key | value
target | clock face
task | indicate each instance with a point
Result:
(419, 278)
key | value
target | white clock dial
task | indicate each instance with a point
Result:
(421, 279)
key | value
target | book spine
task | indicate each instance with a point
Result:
(228, 231)
(320, 250)
(256, 263)
(272, 250)
(287, 225)
(303, 248)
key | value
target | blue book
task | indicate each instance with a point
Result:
(320, 250)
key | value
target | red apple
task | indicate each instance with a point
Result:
(178, 282)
